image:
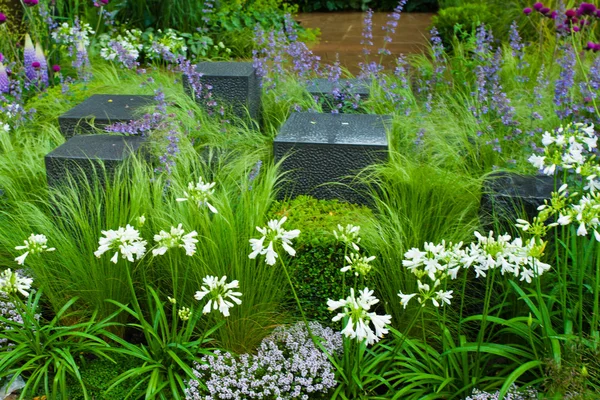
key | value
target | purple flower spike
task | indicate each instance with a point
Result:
(545, 10)
(527, 10)
(29, 59)
(4, 82)
(41, 58)
(538, 6)
(2, 18)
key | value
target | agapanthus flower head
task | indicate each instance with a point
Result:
(184, 313)
(12, 283)
(349, 235)
(126, 241)
(34, 244)
(219, 293)
(175, 238)
(4, 82)
(355, 310)
(358, 264)
(274, 235)
(200, 193)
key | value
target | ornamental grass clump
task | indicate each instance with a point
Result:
(287, 365)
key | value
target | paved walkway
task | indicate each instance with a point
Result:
(341, 33)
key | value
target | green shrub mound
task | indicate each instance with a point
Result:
(319, 256)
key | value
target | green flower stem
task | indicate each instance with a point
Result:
(594, 327)
(287, 275)
(486, 306)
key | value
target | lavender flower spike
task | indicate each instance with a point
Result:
(29, 58)
(41, 58)
(4, 82)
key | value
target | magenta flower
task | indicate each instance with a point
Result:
(36, 64)
(576, 29)
(544, 10)
(527, 10)
(4, 82)
(31, 3)
(570, 13)
(586, 9)
(538, 6)
(2, 18)
(56, 68)
(553, 15)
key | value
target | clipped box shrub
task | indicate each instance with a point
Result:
(315, 270)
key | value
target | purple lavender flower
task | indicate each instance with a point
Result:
(4, 82)
(518, 52)
(392, 23)
(562, 90)
(367, 32)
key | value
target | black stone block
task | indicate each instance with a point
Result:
(507, 196)
(323, 89)
(328, 148)
(234, 85)
(101, 110)
(82, 156)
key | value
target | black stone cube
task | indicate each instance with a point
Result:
(82, 156)
(101, 110)
(235, 84)
(323, 90)
(319, 149)
(508, 196)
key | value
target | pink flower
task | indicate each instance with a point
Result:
(527, 10)
(56, 68)
(538, 6)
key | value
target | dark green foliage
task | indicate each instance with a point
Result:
(98, 373)
(316, 268)
(467, 17)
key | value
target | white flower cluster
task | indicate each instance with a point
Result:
(355, 312)
(167, 43)
(349, 235)
(200, 193)
(566, 148)
(35, 244)
(442, 261)
(358, 264)
(218, 292)
(274, 234)
(68, 35)
(175, 238)
(11, 283)
(126, 241)
(578, 201)
(124, 49)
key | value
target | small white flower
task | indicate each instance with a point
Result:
(443, 297)
(563, 219)
(200, 193)
(359, 264)
(141, 220)
(537, 161)
(175, 238)
(219, 293)
(348, 235)
(126, 241)
(11, 282)
(34, 244)
(356, 310)
(274, 234)
(405, 298)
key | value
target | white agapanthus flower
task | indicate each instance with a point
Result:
(219, 293)
(12, 283)
(5, 127)
(126, 241)
(349, 235)
(273, 234)
(35, 244)
(175, 238)
(356, 311)
(200, 193)
(358, 264)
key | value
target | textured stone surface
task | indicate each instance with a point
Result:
(82, 157)
(323, 89)
(101, 110)
(235, 84)
(327, 148)
(507, 196)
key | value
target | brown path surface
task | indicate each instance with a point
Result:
(341, 33)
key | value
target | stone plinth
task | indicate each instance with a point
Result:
(82, 157)
(101, 110)
(324, 90)
(320, 149)
(507, 196)
(234, 85)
